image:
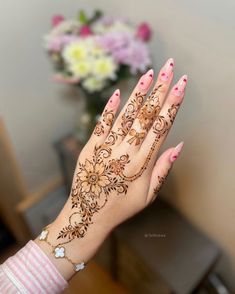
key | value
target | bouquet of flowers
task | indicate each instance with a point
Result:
(95, 53)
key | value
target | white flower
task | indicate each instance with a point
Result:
(81, 69)
(93, 84)
(79, 266)
(75, 52)
(105, 67)
(43, 235)
(59, 252)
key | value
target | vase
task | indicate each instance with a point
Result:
(93, 108)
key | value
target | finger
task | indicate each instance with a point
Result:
(164, 121)
(161, 171)
(126, 117)
(151, 107)
(105, 121)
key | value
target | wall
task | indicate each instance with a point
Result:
(200, 36)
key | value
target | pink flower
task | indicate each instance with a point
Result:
(57, 19)
(85, 31)
(144, 32)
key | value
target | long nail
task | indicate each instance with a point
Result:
(146, 80)
(178, 89)
(114, 99)
(167, 70)
(176, 152)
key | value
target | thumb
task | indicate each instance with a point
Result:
(161, 170)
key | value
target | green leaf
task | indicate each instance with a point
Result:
(82, 17)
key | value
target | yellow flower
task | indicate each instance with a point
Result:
(105, 67)
(92, 84)
(81, 69)
(93, 178)
(75, 52)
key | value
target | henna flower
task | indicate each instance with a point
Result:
(93, 177)
(116, 166)
(148, 114)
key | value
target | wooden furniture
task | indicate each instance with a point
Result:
(92, 280)
(161, 241)
(157, 251)
(12, 188)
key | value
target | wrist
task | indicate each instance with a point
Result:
(78, 252)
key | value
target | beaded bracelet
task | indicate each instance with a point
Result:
(59, 251)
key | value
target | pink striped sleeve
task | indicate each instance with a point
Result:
(30, 271)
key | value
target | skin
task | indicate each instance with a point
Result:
(118, 172)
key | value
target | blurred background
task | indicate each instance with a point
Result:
(185, 242)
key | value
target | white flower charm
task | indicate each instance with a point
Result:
(43, 235)
(59, 252)
(79, 266)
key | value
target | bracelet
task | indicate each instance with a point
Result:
(59, 251)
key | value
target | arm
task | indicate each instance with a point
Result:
(118, 172)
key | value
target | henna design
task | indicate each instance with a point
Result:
(146, 116)
(150, 110)
(160, 128)
(108, 117)
(136, 137)
(130, 113)
(172, 111)
(96, 178)
(161, 181)
(99, 129)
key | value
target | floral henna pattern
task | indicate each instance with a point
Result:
(95, 180)
(98, 177)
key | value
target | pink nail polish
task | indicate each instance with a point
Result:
(167, 70)
(176, 152)
(114, 99)
(146, 80)
(178, 89)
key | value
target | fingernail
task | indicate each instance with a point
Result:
(167, 70)
(146, 80)
(176, 152)
(114, 99)
(178, 89)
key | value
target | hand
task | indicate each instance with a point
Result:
(118, 173)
